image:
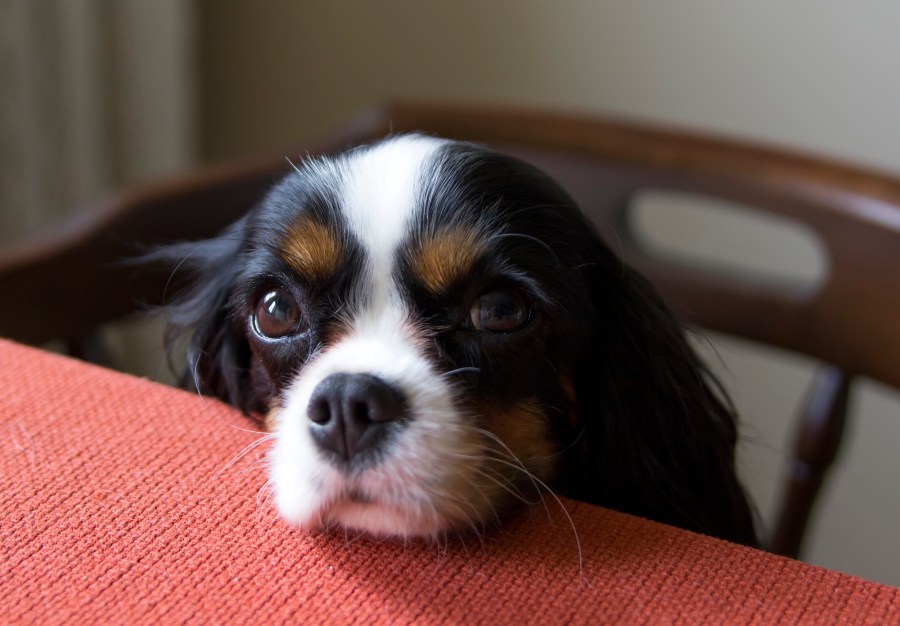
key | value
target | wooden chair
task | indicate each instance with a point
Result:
(67, 284)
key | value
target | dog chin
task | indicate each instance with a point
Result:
(355, 513)
(387, 521)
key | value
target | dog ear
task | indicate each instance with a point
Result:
(658, 433)
(201, 317)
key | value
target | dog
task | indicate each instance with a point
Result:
(434, 333)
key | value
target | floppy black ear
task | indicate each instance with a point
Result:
(658, 433)
(218, 354)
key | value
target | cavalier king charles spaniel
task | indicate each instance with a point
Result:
(434, 333)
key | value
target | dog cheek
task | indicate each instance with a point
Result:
(570, 401)
(523, 433)
(297, 479)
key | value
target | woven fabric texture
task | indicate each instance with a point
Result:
(126, 502)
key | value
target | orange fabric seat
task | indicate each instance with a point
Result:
(123, 502)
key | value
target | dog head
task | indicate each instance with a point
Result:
(434, 332)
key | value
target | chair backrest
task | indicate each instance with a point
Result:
(849, 320)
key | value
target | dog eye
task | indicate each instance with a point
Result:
(277, 314)
(501, 311)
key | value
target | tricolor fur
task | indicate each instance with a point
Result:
(434, 333)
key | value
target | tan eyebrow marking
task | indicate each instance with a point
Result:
(447, 256)
(312, 248)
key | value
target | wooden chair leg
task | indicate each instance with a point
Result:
(817, 441)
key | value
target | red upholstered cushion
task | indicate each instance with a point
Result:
(122, 502)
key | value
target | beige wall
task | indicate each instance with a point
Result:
(816, 74)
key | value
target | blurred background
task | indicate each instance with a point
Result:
(97, 94)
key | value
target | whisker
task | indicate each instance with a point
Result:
(255, 465)
(473, 518)
(561, 506)
(264, 495)
(252, 431)
(538, 482)
(517, 463)
(461, 538)
(495, 477)
(506, 484)
(245, 451)
(460, 370)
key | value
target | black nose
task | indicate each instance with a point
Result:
(350, 413)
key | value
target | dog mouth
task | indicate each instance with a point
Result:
(358, 497)
(355, 510)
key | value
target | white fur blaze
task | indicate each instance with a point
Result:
(415, 489)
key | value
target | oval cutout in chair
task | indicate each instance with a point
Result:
(723, 236)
